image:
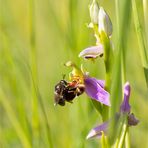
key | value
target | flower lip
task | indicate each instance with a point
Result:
(92, 52)
(95, 89)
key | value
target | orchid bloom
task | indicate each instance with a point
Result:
(94, 88)
(124, 109)
(101, 23)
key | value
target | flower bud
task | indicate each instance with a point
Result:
(104, 22)
(94, 11)
(125, 106)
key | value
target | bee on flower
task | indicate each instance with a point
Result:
(80, 82)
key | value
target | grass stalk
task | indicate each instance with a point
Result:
(12, 117)
(36, 97)
(123, 134)
(145, 9)
(119, 76)
(140, 36)
(108, 67)
(127, 138)
(44, 114)
(33, 65)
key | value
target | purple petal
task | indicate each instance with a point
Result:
(97, 131)
(125, 107)
(94, 89)
(92, 52)
(101, 83)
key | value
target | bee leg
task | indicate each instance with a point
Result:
(80, 89)
(78, 92)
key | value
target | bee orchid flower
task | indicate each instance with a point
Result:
(94, 88)
(124, 109)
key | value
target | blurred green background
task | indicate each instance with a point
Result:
(40, 36)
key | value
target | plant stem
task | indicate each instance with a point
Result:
(13, 119)
(33, 65)
(104, 141)
(108, 67)
(138, 27)
(145, 8)
(140, 36)
(127, 139)
(122, 137)
(121, 35)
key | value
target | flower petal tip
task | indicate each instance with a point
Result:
(98, 131)
(104, 22)
(91, 134)
(125, 106)
(127, 88)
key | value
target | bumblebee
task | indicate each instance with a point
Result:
(67, 91)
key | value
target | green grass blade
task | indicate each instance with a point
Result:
(140, 36)
(11, 115)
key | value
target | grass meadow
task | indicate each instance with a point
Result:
(36, 38)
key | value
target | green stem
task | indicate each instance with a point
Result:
(143, 52)
(105, 109)
(33, 65)
(127, 139)
(108, 67)
(119, 44)
(107, 60)
(44, 114)
(13, 119)
(145, 8)
(138, 27)
(117, 17)
(123, 74)
(104, 141)
(121, 137)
